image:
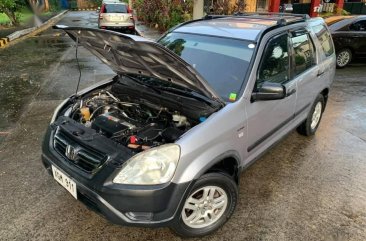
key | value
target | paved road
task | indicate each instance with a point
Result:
(304, 189)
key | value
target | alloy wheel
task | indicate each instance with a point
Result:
(204, 207)
(343, 58)
(316, 115)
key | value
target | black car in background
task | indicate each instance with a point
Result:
(349, 36)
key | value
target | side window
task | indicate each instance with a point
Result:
(304, 57)
(274, 65)
(324, 38)
(358, 26)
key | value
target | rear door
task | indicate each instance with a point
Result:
(309, 76)
(326, 52)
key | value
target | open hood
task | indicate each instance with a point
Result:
(130, 54)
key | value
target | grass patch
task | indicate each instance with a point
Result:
(4, 19)
(23, 17)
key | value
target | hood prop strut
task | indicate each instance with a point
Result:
(78, 63)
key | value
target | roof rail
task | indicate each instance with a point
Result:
(281, 18)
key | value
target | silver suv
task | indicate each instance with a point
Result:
(117, 16)
(163, 142)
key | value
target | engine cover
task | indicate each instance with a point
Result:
(109, 125)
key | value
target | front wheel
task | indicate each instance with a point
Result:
(208, 206)
(310, 125)
(344, 57)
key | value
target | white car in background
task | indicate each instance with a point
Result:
(116, 16)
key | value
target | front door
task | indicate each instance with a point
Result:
(266, 119)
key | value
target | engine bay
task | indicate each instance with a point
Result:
(138, 125)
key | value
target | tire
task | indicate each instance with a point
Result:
(222, 185)
(344, 57)
(308, 127)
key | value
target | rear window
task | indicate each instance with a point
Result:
(325, 39)
(223, 62)
(115, 8)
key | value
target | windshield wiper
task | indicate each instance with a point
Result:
(137, 80)
(188, 93)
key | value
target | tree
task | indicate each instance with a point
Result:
(37, 7)
(10, 8)
(46, 5)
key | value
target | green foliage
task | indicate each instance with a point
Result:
(54, 5)
(97, 2)
(10, 7)
(163, 13)
(337, 11)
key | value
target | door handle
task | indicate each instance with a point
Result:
(320, 73)
(290, 92)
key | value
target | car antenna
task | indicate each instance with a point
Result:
(79, 68)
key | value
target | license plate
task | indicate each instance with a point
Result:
(65, 181)
(115, 18)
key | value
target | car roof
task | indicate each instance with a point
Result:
(345, 21)
(334, 19)
(244, 26)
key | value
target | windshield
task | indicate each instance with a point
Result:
(223, 62)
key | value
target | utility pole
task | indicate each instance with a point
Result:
(197, 9)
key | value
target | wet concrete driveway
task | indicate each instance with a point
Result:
(303, 189)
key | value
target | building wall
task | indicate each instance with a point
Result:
(250, 5)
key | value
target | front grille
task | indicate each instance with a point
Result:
(83, 157)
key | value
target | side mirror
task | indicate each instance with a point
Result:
(269, 91)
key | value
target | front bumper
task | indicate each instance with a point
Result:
(148, 206)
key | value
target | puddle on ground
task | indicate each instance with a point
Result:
(22, 68)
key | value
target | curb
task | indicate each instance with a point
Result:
(3, 42)
(84, 9)
(138, 31)
(21, 34)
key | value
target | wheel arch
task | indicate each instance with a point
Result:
(345, 47)
(325, 93)
(228, 163)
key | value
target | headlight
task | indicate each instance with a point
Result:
(154, 166)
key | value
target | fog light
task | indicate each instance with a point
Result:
(140, 216)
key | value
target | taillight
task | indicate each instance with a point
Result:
(102, 9)
(129, 10)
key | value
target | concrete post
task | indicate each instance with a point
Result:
(197, 9)
(274, 6)
(314, 8)
(339, 3)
